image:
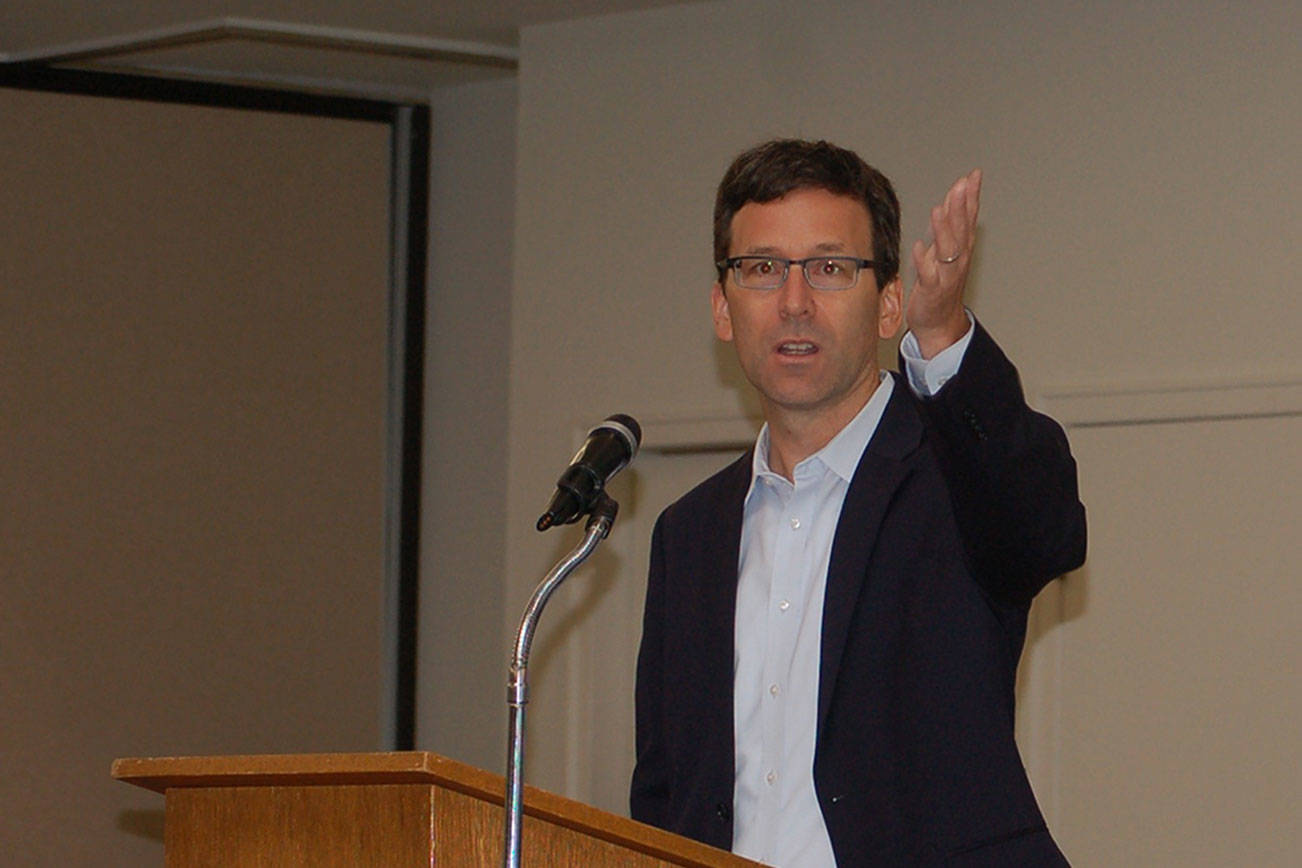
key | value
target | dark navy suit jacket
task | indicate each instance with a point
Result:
(962, 508)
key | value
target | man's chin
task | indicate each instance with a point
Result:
(796, 400)
(810, 398)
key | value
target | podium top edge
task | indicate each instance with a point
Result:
(161, 773)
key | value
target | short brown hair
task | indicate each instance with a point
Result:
(770, 171)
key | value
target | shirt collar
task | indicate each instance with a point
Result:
(842, 453)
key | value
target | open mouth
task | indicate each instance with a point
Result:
(797, 348)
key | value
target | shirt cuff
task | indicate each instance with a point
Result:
(927, 376)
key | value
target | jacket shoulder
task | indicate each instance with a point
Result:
(725, 488)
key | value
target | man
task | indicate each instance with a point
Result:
(833, 622)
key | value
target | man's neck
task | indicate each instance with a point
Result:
(796, 434)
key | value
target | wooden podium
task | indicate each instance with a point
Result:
(382, 809)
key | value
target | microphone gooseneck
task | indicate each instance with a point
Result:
(580, 491)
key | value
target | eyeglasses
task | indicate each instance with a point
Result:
(770, 272)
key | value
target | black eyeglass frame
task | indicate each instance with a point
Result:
(732, 263)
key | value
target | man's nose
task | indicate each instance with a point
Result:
(796, 297)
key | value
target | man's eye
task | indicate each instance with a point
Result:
(831, 266)
(765, 267)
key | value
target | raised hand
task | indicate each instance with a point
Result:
(935, 307)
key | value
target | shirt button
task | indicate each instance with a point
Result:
(784, 605)
(770, 778)
(795, 524)
(773, 689)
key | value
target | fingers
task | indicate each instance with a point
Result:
(953, 233)
(946, 244)
(953, 221)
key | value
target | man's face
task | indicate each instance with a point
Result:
(809, 352)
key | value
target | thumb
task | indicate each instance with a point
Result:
(920, 265)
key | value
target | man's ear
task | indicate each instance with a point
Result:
(890, 308)
(722, 319)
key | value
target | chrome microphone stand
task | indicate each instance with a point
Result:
(517, 688)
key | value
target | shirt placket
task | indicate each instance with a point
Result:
(784, 614)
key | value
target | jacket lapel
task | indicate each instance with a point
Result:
(719, 554)
(881, 470)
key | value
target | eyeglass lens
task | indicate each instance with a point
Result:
(831, 272)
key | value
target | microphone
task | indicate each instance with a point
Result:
(609, 448)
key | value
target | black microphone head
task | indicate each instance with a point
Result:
(627, 426)
(609, 448)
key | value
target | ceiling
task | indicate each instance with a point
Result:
(394, 48)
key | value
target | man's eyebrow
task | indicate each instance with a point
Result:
(821, 247)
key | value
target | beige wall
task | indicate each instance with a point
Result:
(112, 646)
(192, 377)
(1139, 250)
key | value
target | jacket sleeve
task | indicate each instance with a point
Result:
(649, 794)
(1011, 476)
